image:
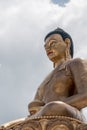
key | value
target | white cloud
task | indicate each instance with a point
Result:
(23, 25)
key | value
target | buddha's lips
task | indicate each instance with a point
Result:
(50, 52)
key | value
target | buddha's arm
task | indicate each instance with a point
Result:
(79, 101)
(79, 72)
(37, 103)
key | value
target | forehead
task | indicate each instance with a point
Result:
(54, 37)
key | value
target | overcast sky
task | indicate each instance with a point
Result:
(23, 62)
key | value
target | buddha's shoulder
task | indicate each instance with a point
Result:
(76, 62)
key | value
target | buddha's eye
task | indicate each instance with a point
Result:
(53, 43)
(50, 44)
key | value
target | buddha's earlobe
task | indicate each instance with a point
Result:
(67, 53)
(67, 41)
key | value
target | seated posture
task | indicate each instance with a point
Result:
(64, 91)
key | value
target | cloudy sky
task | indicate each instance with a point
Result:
(23, 62)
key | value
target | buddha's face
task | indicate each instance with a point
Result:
(55, 47)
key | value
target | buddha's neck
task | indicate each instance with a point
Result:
(61, 61)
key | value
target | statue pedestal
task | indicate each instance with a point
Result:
(46, 123)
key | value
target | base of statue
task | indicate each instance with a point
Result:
(46, 123)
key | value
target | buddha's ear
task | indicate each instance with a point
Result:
(67, 41)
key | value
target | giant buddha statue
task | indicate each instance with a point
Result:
(64, 91)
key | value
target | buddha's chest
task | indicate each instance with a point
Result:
(58, 86)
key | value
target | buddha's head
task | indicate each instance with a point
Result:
(58, 44)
